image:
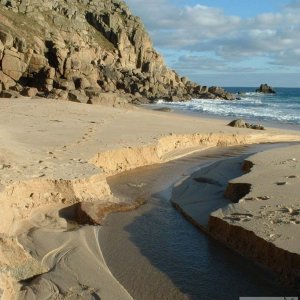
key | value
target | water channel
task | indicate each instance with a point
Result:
(156, 254)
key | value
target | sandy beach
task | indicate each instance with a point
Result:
(55, 157)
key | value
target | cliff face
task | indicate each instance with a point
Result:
(80, 49)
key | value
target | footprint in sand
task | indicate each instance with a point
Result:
(87, 135)
(287, 215)
(5, 166)
(264, 198)
(239, 217)
(282, 183)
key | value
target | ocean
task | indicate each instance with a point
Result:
(280, 108)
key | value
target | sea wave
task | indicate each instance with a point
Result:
(253, 106)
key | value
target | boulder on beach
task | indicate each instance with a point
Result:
(240, 123)
(266, 89)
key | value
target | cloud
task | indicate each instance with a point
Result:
(201, 29)
(195, 64)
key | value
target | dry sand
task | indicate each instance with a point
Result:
(55, 154)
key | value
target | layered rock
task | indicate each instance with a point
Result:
(64, 48)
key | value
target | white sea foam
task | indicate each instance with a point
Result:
(254, 106)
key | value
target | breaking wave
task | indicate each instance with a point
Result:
(284, 107)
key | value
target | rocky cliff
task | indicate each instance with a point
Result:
(85, 51)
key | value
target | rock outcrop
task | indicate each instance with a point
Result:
(239, 123)
(78, 50)
(266, 89)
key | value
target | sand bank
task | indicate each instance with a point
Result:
(263, 224)
(55, 154)
(266, 219)
(199, 195)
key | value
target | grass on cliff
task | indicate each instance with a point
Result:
(19, 24)
(101, 40)
(23, 26)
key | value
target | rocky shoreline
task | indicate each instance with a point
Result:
(92, 52)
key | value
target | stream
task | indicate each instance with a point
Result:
(156, 254)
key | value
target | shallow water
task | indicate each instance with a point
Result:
(156, 254)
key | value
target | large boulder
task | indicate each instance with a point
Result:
(219, 92)
(78, 96)
(108, 99)
(64, 84)
(240, 123)
(6, 82)
(13, 64)
(266, 89)
(6, 38)
(9, 94)
(20, 44)
(29, 92)
(37, 62)
(216, 90)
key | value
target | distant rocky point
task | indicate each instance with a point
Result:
(266, 89)
(84, 50)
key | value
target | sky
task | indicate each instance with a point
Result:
(226, 42)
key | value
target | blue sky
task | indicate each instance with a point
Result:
(227, 42)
